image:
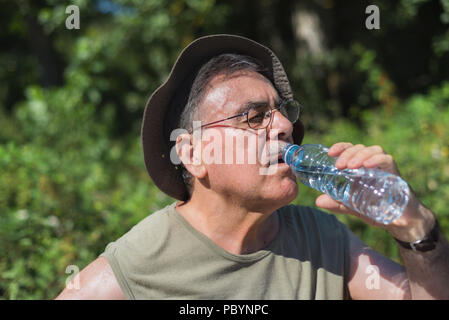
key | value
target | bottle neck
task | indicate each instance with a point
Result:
(288, 152)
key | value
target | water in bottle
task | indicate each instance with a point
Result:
(377, 194)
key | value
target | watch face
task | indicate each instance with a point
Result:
(423, 246)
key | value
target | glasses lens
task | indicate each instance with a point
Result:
(259, 117)
(290, 109)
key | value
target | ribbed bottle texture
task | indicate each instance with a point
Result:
(374, 193)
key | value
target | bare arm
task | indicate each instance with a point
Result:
(373, 276)
(425, 275)
(427, 272)
(96, 282)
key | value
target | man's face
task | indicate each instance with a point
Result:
(239, 173)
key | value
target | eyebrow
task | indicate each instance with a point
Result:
(253, 104)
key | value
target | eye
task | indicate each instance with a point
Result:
(258, 114)
(257, 118)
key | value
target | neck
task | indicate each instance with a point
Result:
(232, 225)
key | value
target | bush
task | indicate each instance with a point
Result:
(66, 191)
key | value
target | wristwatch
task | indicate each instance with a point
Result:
(426, 244)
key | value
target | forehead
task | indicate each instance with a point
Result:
(225, 95)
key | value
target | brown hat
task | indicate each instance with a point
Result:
(164, 107)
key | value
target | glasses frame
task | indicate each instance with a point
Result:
(246, 113)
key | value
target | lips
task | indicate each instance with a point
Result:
(276, 161)
(275, 152)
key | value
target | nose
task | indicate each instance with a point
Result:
(280, 127)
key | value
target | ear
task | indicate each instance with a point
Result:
(190, 155)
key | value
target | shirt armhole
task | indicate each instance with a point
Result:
(346, 270)
(115, 266)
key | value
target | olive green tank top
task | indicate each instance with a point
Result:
(164, 257)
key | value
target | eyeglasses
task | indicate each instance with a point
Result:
(259, 116)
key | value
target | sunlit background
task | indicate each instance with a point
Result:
(72, 176)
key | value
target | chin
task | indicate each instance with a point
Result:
(292, 195)
(285, 193)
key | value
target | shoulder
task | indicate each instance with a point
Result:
(312, 219)
(148, 230)
(107, 276)
(320, 234)
(95, 282)
(305, 212)
(142, 240)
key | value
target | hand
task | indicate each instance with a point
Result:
(415, 220)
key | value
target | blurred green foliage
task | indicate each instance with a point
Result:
(72, 176)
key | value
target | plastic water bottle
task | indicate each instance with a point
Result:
(377, 194)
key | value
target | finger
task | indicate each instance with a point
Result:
(357, 160)
(343, 159)
(338, 148)
(382, 161)
(326, 202)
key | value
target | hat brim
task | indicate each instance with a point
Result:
(171, 97)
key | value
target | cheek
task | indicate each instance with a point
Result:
(235, 179)
(235, 174)
(228, 150)
(232, 164)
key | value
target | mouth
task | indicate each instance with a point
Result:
(277, 161)
(280, 160)
(275, 153)
(279, 151)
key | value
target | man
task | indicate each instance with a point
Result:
(232, 234)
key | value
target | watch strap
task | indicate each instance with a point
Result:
(426, 244)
